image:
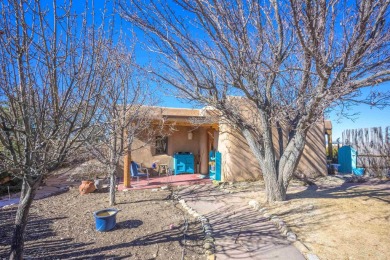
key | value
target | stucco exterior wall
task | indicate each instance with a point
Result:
(177, 142)
(239, 163)
(313, 160)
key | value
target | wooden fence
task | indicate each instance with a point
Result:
(373, 147)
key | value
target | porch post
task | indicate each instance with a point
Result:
(204, 157)
(126, 169)
(330, 146)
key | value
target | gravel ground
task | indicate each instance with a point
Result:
(333, 217)
(336, 219)
(63, 227)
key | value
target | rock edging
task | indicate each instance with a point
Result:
(283, 229)
(208, 242)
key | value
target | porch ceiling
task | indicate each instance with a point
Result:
(185, 121)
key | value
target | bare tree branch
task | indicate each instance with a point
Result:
(286, 62)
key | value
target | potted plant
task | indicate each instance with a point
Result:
(88, 184)
(86, 187)
(212, 166)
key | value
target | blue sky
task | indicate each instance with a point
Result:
(367, 116)
(364, 115)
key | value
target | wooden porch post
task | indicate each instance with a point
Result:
(330, 145)
(126, 170)
(204, 156)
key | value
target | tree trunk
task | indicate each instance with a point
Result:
(276, 175)
(112, 187)
(27, 196)
(266, 157)
(273, 190)
(290, 158)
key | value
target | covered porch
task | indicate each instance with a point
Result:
(189, 131)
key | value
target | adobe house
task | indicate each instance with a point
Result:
(238, 162)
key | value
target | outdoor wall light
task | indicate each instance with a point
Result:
(189, 135)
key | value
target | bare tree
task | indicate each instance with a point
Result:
(51, 78)
(123, 114)
(288, 61)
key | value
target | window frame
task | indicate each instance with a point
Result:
(159, 145)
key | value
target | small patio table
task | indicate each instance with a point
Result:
(162, 168)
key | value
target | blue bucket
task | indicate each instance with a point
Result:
(105, 219)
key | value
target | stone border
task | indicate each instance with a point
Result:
(284, 230)
(208, 242)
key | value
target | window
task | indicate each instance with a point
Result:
(161, 144)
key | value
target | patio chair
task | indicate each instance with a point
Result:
(136, 171)
(169, 174)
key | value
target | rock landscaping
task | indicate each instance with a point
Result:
(206, 227)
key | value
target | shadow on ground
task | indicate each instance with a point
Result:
(42, 242)
(239, 231)
(378, 190)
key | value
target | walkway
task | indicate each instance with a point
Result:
(53, 185)
(239, 231)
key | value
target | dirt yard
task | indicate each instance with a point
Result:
(339, 220)
(335, 219)
(62, 227)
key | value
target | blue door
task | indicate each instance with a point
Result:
(183, 163)
(215, 165)
(347, 158)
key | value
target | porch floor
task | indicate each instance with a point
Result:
(157, 182)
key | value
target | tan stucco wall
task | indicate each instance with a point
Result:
(237, 158)
(177, 142)
(313, 161)
(239, 163)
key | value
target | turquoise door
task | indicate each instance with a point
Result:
(183, 163)
(354, 159)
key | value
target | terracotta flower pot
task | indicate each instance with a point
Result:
(87, 187)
